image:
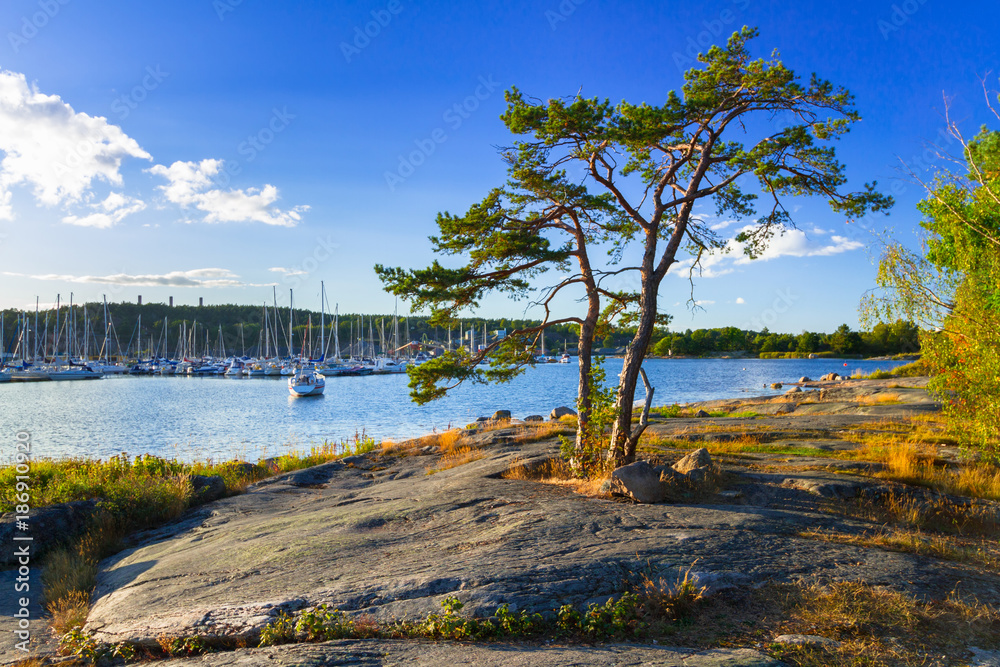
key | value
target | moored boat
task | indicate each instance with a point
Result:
(306, 384)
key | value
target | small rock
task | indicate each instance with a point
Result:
(794, 390)
(500, 415)
(699, 458)
(482, 419)
(776, 385)
(807, 640)
(804, 379)
(562, 411)
(701, 414)
(638, 481)
(534, 418)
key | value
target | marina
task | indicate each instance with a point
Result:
(223, 417)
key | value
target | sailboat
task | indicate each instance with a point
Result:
(307, 382)
(67, 370)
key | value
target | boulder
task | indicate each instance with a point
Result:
(562, 411)
(482, 419)
(534, 418)
(697, 460)
(500, 415)
(794, 390)
(776, 385)
(804, 379)
(47, 526)
(701, 414)
(638, 481)
(207, 487)
(243, 469)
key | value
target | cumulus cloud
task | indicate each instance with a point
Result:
(792, 243)
(55, 150)
(108, 213)
(210, 277)
(190, 185)
(740, 300)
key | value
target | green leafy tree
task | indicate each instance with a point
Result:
(845, 341)
(952, 288)
(639, 171)
(807, 342)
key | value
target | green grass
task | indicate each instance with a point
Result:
(675, 411)
(131, 494)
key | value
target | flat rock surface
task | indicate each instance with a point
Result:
(379, 653)
(379, 534)
(392, 536)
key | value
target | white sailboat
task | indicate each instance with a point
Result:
(306, 383)
(65, 369)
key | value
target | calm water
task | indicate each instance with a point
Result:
(220, 418)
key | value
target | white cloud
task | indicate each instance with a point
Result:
(109, 212)
(740, 300)
(189, 184)
(792, 243)
(719, 226)
(210, 277)
(704, 302)
(287, 272)
(58, 152)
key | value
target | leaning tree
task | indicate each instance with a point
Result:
(630, 179)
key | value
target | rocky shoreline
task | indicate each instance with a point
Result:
(391, 534)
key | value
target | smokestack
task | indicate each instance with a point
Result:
(140, 300)
(171, 302)
(201, 301)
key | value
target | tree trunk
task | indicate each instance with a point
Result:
(623, 440)
(585, 348)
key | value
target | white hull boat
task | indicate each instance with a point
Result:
(306, 384)
(74, 374)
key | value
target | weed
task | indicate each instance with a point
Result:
(280, 631)
(69, 611)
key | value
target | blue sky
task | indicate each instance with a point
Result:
(212, 148)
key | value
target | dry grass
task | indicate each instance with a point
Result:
(557, 472)
(980, 553)
(457, 457)
(879, 399)
(876, 627)
(69, 612)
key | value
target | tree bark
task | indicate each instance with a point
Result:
(623, 440)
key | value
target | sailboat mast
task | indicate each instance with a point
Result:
(322, 319)
(336, 332)
(291, 339)
(55, 352)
